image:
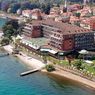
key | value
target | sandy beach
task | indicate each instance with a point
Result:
(34, 63)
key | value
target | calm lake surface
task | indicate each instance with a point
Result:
(2, 22)
(34, 84)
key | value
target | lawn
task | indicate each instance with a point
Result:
(88, 67)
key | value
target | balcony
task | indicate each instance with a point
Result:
(28, 31)
(28, 28)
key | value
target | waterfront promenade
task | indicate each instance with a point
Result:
(34, 63)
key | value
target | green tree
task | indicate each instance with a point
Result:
(45, 8)
(10, 29)
(50, 68)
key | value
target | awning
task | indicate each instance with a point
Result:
(52, 51)
(83, 52)
(34, 47)
(88, 61)
(48, 50)
(44, 49)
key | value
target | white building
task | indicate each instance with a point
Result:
(27, 13)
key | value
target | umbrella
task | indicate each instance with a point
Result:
(88, 61)
(83, 52)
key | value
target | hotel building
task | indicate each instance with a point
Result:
(65, 36)
(62, 36)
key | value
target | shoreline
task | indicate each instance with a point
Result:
(34, 63)
(77, 79)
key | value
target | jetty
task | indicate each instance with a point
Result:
(29, 72)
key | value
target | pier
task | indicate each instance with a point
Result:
(29, 72)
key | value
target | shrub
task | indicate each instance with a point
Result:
(5, 41)
(50, 68)
(78, 64)
(93, 58)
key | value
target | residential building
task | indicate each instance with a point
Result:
(33, 14)
(64, 19)
(55, 11)
(85, 12)
(74, 19)
(36, 14)
(88, 23)
(74, 7)
(27, 13)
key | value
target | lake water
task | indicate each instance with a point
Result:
(34, 84)
(2, 22)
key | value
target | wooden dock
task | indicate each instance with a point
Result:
(29, 72)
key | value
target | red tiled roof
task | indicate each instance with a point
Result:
(65, 28)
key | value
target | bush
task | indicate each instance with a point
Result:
(78, 64)
(93, 58)
(50, 68)
(5, 41)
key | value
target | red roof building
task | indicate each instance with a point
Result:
(88, 23)
(74, 19)
(66, 37)
(33, 14)
(62, 36)
(36, 14)
(55, 11)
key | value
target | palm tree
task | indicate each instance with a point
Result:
(16, 41)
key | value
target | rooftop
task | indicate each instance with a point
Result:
(65, 28)
(34, 23)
